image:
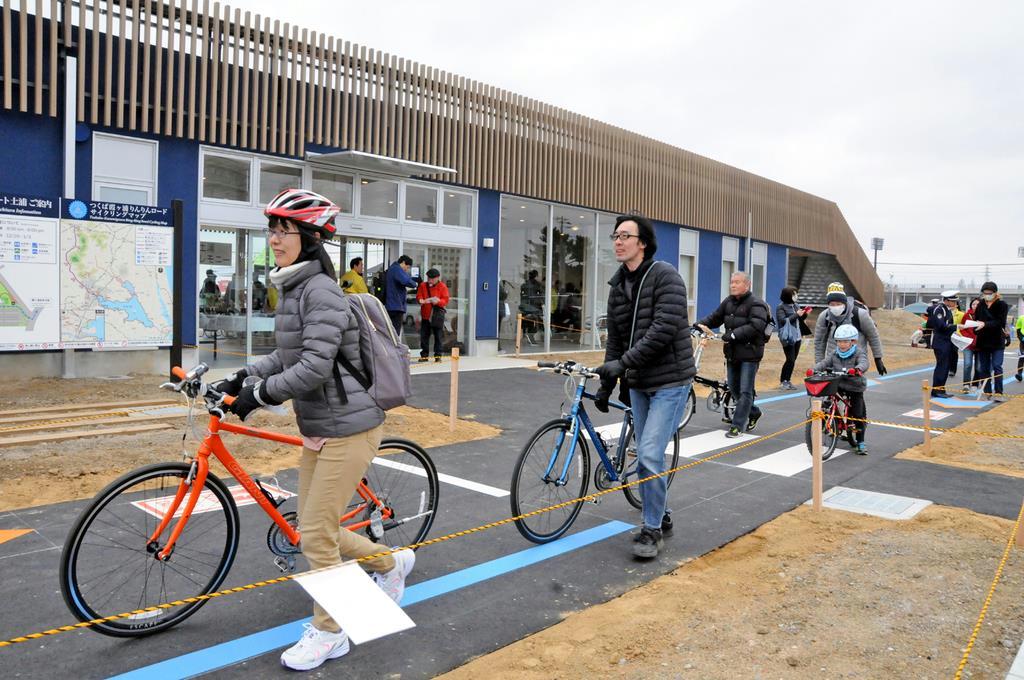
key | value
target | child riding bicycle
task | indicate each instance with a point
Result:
(850, 359)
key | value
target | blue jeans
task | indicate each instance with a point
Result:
(656, 417)
(968, 368)
(741, 376)
(989, 361)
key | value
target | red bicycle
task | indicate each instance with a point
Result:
(835, 406)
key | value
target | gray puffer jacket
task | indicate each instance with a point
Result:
(313, 319)
(827, 324)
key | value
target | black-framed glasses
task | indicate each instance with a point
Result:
(622, 236)
(280, 233)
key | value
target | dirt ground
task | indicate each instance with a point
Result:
(894, 326)
(1002, 456)
(59, 471)
(808, 595)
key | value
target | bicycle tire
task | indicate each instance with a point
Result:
(829, 436)
(632, 493)
(404, 478)
(727, 407)
(530, 467)
(691, 407)
(117, 517)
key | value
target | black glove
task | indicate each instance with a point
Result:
(232, 384)
(610, 371)
(601, 399)
(251, 398)
(880, 366)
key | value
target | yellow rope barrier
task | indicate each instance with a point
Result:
(988, 598)
(432, 541)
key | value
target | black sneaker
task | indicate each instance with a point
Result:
(733, 433)
(437, 360)
(752, 422)
(647, 543)
(666, 525)
(422, 360)
(1019, 377)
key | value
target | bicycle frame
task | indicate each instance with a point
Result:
(578, 415)
(193, 485)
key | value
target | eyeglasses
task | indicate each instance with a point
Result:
(280, 233)
(621, 236)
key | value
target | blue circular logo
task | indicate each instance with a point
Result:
(78, 209)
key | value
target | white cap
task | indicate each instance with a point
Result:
(950, 294)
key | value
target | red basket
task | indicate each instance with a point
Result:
(822, 386)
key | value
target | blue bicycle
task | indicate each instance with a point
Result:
(554, 466)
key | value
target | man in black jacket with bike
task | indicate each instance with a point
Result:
(650, 351)
(745, 317)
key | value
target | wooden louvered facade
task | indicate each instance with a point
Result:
(222, 76)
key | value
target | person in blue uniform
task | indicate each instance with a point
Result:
(942, 325)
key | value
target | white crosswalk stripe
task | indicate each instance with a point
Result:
(787, 462)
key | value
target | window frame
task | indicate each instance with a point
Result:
(125, 182)
(404, 188)
(691, 293)
(472, 205)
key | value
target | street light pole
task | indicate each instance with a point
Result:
(876, 245)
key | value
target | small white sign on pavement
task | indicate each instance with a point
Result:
(934, 415)
(355, 602)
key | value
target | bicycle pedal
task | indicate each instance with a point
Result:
(285, 564)
(595, 501)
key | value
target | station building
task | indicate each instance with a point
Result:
(512, 199)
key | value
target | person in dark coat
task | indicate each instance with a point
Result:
(789, 313)
(942, 325)
(650, 351)
(990, 340)
(745, 316)
(396, 281)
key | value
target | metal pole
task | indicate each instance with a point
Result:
(453, 397)
(926, 414)
(178, 279)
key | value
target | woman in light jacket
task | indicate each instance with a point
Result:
(341, 429)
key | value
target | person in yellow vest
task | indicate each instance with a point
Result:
(352, 281)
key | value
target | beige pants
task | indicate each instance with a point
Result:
(327, 481)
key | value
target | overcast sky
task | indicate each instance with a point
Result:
(909, 115)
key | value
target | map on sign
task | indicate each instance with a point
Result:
(116, 284)
(28, 282)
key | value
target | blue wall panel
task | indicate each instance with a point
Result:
(709, 274)
(668, 242)
(778, 256)
(30, 155)
(178, 178)
(488, 221)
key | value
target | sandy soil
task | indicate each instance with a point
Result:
(895, 328)
(1002, 456)
(808, 595)
(52, 472)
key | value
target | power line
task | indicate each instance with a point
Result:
(955, 264)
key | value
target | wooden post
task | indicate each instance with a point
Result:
(1020, 536)
(453, 401)
(816, 469)
(926, 414)
(519, 333)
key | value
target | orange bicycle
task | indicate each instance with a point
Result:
(169, 531)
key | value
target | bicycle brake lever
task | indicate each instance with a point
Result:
(173, 387)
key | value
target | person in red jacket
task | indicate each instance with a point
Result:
(433, 298)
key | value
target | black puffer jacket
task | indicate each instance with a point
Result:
(745, 319)
(661, 352)
(990, 338)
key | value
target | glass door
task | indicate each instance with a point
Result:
(263, 297)
(523, 274)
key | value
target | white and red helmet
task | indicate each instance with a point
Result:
(305, 207)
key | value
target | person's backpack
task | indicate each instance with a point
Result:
(769, 327)
(378, 287)
(385, 375)
(385, 356)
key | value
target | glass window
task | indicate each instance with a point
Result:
(226, 178)
(523, 273)
(453, 263)
(759, 261)
(606, 268)
(730, 253)
(420, 204)
(572, 262)
(458, 209)
(116, 194)
(689, 242)
(378, 198)
(276, 178)
(336, 187)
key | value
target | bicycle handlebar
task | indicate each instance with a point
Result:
(191, 383)
(570, 368)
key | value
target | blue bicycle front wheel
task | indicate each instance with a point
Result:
(549, 478)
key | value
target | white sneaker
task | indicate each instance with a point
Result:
(393, 582)
(313, 648)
